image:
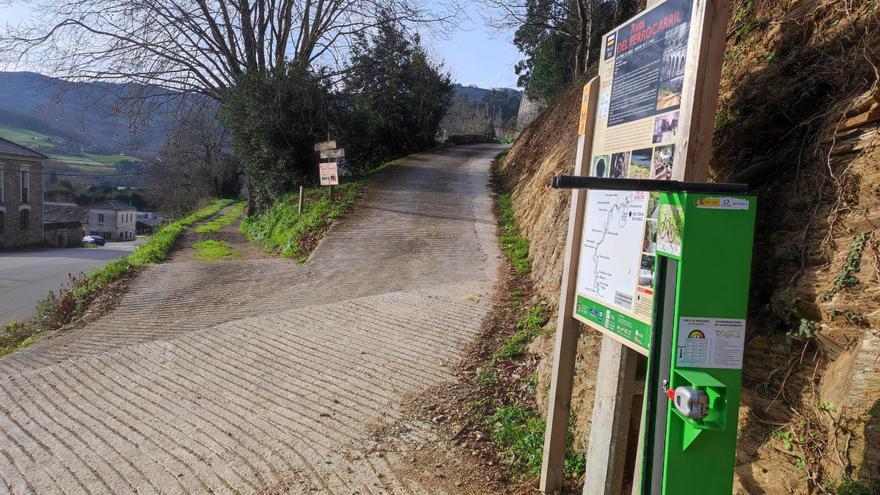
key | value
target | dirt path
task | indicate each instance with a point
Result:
(231, 234)
(263, 374)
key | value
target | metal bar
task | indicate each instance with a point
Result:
(607, 184)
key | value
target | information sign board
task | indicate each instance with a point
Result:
(642, 90)
(329, 174)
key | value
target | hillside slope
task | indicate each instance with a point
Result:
(798, 119)
(89, 115)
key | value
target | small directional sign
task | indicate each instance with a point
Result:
(329, 174)
(333, 153)
(325, 145)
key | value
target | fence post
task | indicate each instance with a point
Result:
(300, 204)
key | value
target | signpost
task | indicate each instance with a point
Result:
(648, 115)
(329, 170)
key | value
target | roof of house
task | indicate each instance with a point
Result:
(9, 148)
(62, 212)
(112, 205)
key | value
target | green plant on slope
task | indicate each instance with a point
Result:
(284, 230)
(512, 241)
(851, 487)
(519, 433)
(852, 263)
(527, 328)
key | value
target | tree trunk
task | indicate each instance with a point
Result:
(581, 53)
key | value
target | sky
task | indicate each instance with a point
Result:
(477, 54)
(474, 53)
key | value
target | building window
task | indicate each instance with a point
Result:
(2, 185)
(24, 219)
(25, 185)
(100, 218)
(2, 221)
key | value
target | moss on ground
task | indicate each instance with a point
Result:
(214, 250)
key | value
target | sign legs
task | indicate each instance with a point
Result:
(609, 432)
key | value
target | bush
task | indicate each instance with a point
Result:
(276, 117)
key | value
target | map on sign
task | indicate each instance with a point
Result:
(612, 247)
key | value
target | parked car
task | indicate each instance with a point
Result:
(93, 239)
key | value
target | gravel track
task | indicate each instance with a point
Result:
(238, 376)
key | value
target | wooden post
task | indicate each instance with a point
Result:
(565, 350)
(300, 204)
(330, 193)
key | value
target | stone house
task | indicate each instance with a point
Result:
(63, 224)
(21, 196)
(113, 220)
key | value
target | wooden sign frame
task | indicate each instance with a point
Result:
(616, 381)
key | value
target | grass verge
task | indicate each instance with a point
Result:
(81, 291)
(214, 250)
(516, 425)
(223, 220)
(283, 230)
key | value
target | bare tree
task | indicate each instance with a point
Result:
(581, 21)
(195, 163)
(196, 46)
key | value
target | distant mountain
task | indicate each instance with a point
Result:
(476, 94)
(87, 115)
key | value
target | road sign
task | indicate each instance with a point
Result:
(332, 153)
(326, 145)
(329, 174)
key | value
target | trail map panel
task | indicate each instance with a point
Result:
(610, 271)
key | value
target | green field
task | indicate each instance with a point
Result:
(31, 139)
(46, 143)
(90, 160)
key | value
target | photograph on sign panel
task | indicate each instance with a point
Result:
(649, 245)
(669, 94)
(600, 165)
(646, 271)
(661, 166)
(653, 206)
(619, 165)
(665, 127)
(674, 52)
(640, 164)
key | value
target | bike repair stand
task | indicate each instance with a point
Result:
(701, 283)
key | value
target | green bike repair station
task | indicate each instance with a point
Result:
(694, 275)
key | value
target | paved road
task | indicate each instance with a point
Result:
(27, 276)
(239, 376)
